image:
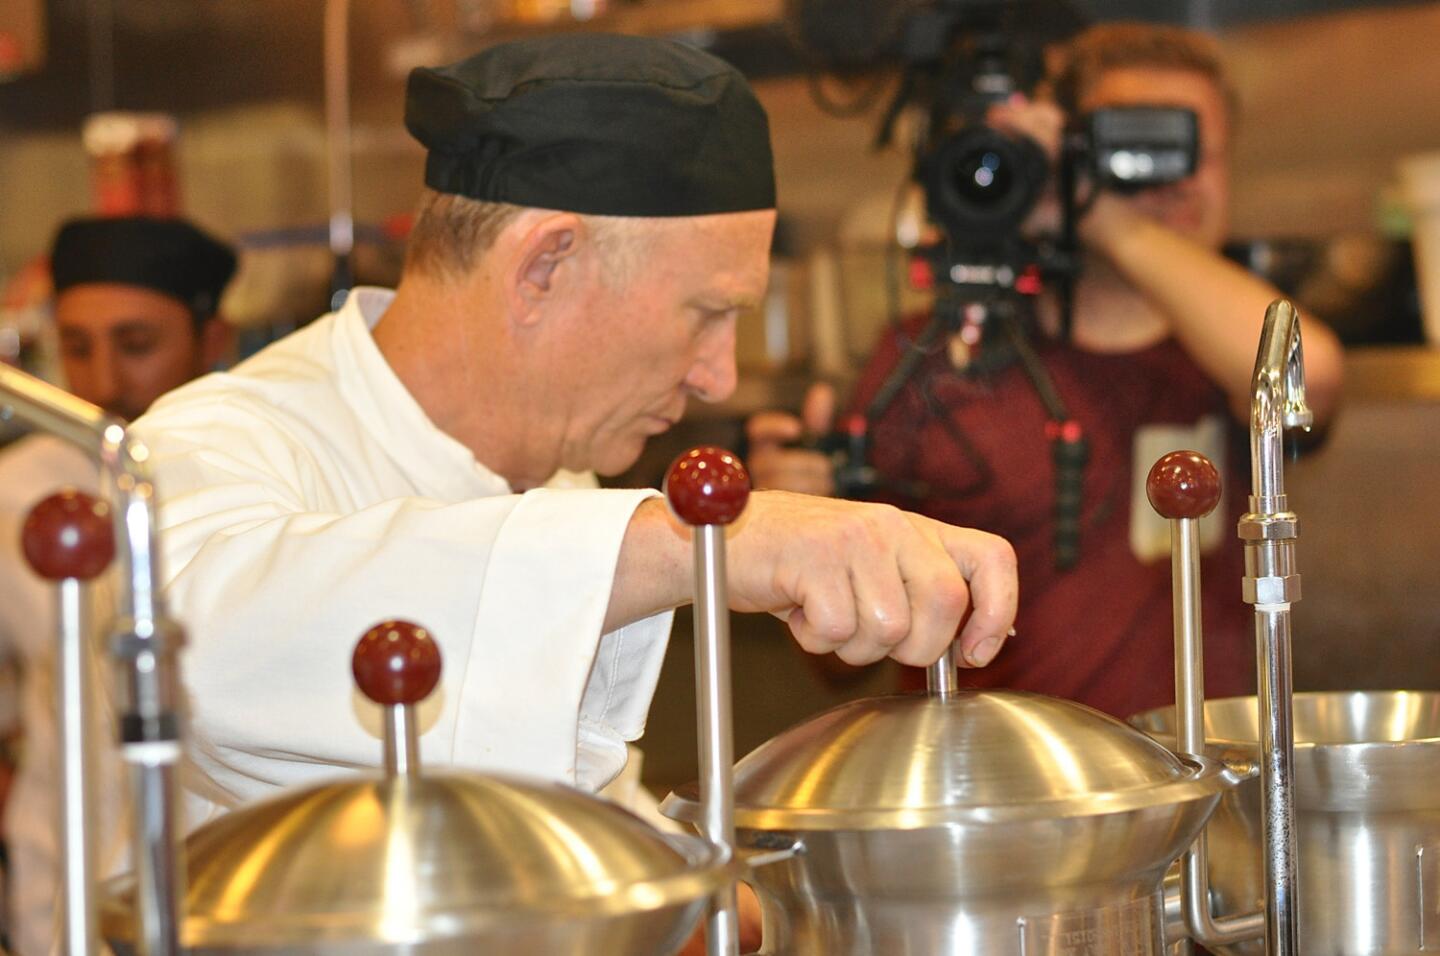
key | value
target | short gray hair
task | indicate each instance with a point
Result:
(451, 232)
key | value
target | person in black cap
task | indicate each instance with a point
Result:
(136, 311)
(137, 307)
(599, 210)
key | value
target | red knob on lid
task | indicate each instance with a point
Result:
(1183, 484)
(396, 662)
(69, 535)
(707, 485)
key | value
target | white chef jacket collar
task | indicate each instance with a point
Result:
(442, 466)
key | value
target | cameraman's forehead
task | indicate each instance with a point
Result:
(1155, 86)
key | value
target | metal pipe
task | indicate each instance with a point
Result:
(53, 410)
(144, 642)
(1277, 801)
(1271, 584)
(717, 748)
(77, 783)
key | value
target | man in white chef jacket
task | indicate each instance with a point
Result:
(598, 210)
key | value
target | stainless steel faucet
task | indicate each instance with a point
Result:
(143, 641)
(1272, 584)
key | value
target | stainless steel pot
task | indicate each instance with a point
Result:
(967, 822)
(1367, 816)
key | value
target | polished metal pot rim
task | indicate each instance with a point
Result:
(1206, 777)
(1144, 720)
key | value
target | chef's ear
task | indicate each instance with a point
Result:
(546, 256)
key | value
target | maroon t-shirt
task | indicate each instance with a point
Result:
(1102, 631)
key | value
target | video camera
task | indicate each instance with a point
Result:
(958, 58)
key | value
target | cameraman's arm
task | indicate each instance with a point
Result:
(773, 460)
(1215, 307)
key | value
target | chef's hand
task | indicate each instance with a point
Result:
(775, 463)
(861, 580)
(867, 581)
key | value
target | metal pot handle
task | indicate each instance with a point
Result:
(772, 849)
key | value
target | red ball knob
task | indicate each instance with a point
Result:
(707, 485)
(1183, 484)
(396, 662)
(69, 535)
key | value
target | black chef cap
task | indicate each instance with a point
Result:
(169, 256)
(594, 123)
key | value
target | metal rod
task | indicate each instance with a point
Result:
(143, 641)
(940, 677)
(101, 30)
(77, 777)
(337, 140)
(717, 749)
(1189, 646)
(402, 741)
(1200, 922)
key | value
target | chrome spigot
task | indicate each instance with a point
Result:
(1272, 584)
(143, 640)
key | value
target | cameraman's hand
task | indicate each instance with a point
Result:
(1040, 120)
(772, 464)
(1043, 122)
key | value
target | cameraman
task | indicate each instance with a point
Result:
(1159, 357)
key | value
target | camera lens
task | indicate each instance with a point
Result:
(983, 177)
(982, 182)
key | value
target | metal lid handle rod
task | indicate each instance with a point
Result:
(707, 488)
(68, 538)
(940, 679)
(1272, 584)
(144, 642)
(1184, 486)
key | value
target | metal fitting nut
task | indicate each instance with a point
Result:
(1273, 589)
(1277, 527)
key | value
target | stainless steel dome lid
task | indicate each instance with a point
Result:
(913, 761)
(439, 856)
(413, 858)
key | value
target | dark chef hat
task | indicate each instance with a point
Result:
(169, 256)
(598, 124)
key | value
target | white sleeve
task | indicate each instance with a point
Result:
(514, 588)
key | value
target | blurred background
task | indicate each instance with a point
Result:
(277, 124)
